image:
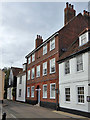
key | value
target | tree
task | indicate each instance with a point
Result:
(6, 83)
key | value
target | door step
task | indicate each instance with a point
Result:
(37, 104)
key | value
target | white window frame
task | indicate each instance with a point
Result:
(67, 94)
(20, 80)
(33, 57)
(19, 95)
(80, 94)
(28, 95)
(51, 65)
(45, 49)
(24, 67)
(29, 60)
(32, 94)
(51, 43)
(33, 70)
(28, 74)
(67, 68)
(44, 68)
(38, 68)
(84, 37)
(50, 91)
(43, 91)
(77, 64)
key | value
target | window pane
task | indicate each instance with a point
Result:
(52, 91)
(52, 44)
(38, 71)
(45, 91)
(79, 63)
(45, 68)
(67, 94)
(67, 67)
(80, 94)
(52, 65)
(32, 91)
(33, 73)
(28, 91)
(28, 74)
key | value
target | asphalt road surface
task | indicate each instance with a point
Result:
(18, 110)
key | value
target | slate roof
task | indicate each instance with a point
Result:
(69, 32)
(74, 49)
(16, 70)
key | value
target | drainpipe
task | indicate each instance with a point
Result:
(57, 91)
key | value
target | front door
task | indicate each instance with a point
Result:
(38, 94)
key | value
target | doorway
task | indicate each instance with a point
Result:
(38, 94)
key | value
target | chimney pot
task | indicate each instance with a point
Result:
(72, 6)
(37, 36)
(69, 13)
(67, 5)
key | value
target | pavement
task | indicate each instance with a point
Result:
(17, 110)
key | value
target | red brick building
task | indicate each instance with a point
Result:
(42, 67)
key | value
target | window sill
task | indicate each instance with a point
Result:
(28, 96)
(37, 76)
(79, 71)
(52, 49)
(52, 72)
(32, 78)
(32, 96)
(52, 98)
(67, 102)
(44, 97)
(45, 54)
(44, 75)
(80, 103)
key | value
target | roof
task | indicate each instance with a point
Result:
(74, 50)
(42, 44)
(16, 70)
(65, 31)
(21, 73)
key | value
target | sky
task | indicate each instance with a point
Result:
(21, 22)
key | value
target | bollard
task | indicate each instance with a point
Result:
(4, 116)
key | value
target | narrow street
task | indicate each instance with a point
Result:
(17, 110)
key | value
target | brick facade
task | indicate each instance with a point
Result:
(63, 38)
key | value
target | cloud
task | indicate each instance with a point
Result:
(21, 22)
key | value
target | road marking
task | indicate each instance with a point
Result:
(13, 116)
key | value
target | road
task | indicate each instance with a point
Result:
(18, 110)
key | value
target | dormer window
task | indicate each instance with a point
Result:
(83, 39)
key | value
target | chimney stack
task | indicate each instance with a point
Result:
(69, 13)
(86, 13)
(38, 41)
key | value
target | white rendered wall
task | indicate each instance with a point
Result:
(9, 94)
(89, 79)
(22, 87)
(73, 80)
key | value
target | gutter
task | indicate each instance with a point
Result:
(74, 54)
(42, 44)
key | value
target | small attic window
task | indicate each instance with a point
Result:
(83, 39)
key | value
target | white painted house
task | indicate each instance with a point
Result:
(21, 85)
(74, 76)
(12, 83)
